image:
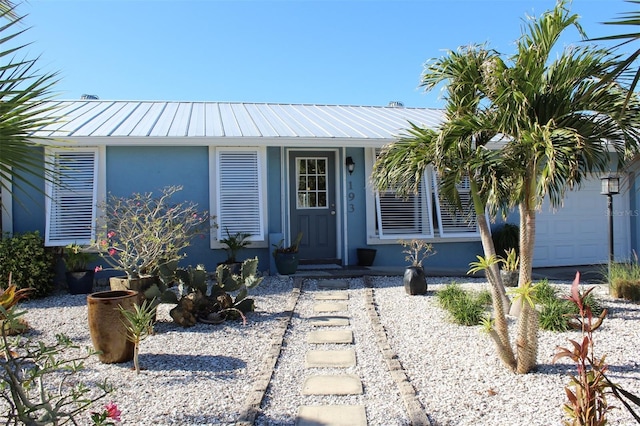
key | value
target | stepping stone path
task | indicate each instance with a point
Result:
(332, 306)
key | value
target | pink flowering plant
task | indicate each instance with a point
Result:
(143, 231)
(108, 416)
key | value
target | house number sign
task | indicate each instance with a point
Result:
(351, 196)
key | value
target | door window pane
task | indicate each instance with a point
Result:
(312, 182)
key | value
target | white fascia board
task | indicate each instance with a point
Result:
(223, 141)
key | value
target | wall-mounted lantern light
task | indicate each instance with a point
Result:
(350, 165)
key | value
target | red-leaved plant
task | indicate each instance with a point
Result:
(587, 405)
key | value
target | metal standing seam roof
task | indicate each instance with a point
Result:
(155, 119)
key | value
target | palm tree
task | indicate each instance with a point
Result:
(23, 92)
(556, 115)
(628, 18)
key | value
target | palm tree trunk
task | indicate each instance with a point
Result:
(500, 301)
(527, 243)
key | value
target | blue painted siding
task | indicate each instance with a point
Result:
(29, 202)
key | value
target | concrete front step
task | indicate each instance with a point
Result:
(343, 384)
(331, 295)
(330, 307)
(332, 415)
(330, 359)
(329, 320)
(330, 336)
(333, 284)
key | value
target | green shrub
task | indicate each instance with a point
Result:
(31, 264)
(554, 315)
(555, 311)
(545, 292)
(624, 280)
(465, 307)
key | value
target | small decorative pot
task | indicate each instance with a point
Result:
(286, 263)
(415, 281)
(108, 332)
(80, 282)
(366, 256)
(509, 278)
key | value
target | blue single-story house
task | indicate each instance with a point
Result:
(273, 170)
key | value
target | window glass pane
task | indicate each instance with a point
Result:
(311, 183)
(322, 199)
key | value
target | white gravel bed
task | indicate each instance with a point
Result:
(459, 379)
(381, 397)
(203, 375)
(198, 375)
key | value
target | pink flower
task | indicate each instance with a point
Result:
(112, 252)
(111, 234)
(97, 268)
(112, 411)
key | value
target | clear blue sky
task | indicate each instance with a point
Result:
(358, 52)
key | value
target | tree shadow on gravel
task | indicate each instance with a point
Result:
(201, 363)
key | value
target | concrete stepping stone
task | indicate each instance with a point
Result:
(343, 384)
(330, 359)
(330, 307)
(332, 295)
(333, 284)
(330, 336)
(329, 320)
(333, 415)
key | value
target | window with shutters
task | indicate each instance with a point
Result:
(239, 187)
(71, 197)
(425, 214)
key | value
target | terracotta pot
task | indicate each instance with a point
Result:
(108, 333)
(414, 280)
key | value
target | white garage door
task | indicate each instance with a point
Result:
(578, 233)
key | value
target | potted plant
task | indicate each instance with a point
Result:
(286, 258)
(142, 232)
(509, 271)
(415, 280)
(234, 243)
(79, 277)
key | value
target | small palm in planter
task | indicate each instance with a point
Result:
(509, 271)
(415, 280)
(234, 243)
(76, 260)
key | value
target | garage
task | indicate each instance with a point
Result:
(578, 233)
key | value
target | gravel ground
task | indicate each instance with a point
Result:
(205, 374)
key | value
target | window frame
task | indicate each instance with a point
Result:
(429, 188)
(97, 193)
(259, 239)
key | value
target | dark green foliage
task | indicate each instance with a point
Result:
(545, 292)
(465, 307)
(31, 264)
(506, 237)
(554, 315)
(556, 311)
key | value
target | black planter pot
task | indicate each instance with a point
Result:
(366, 256)
(415, 281)
(80, 282)
(286, 263)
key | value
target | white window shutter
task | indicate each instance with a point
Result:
(408, 217)
(453, 222)
(71, 200)
(239, 194)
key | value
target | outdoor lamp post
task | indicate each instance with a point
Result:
(610, 187)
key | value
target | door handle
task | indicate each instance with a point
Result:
(333, 212)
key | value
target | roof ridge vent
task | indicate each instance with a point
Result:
(396, 104)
